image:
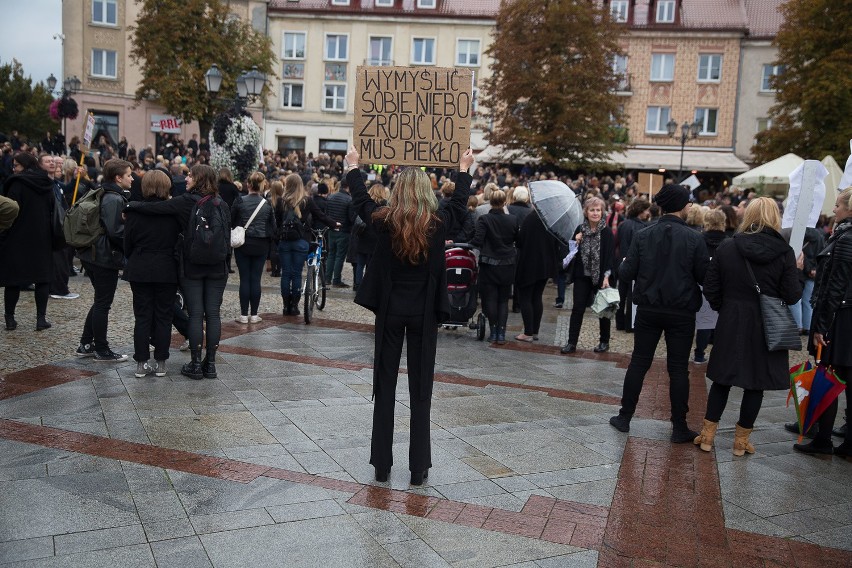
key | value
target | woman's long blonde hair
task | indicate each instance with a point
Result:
(410, 215)
(294, 194)
(761, 213)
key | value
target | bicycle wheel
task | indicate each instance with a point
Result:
(321, 287)
(309, 294)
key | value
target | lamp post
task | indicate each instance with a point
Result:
(249, 85)
(688, 131)
(70, 86)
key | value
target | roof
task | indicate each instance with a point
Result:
(764, 17)
(726, 14)
(443, 8)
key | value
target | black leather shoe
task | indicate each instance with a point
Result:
(682, 435)
(568, 348)
(620, 423)
(840, 432)
(814, 449)
(417, 477)
(602, 347)
(844, 450)
(793, 428)
(382, 475)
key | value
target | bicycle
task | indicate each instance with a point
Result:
(315, 280)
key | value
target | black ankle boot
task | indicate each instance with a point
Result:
(294, 304)
(42, 323)
(501, 335)
(417, 477)
(382, 475)
(208, 365)
(286, 301)
(11, 323)
(193, 368)
(492, 334)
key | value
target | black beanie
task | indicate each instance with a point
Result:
(672, 198)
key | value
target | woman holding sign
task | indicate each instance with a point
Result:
(406, 287)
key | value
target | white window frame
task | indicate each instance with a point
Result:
(385, 57)
(619, 10)
(765, 77)
(339, 2)
(665, 11)
(325, 85)
(709, 70)
(434, 41)
(702, 115)
(478, 52)
(663, 78)
(767, 126)
(104, 61)
(384, 3)
(103, 21)
(427, 4)
(325, 46)
(284, 35)
(660, 124)
(284, 85)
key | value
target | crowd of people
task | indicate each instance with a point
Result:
(677, 260)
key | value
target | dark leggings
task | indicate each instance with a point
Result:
(251, 271)
(532, 307)
(204, 298)
(495, 303)
(11, 294)
(749, 408)
(584, 294)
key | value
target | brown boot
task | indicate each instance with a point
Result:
(741, 443)
(704, 440)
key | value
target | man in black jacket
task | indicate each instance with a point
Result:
(667, 261)
(340, 209)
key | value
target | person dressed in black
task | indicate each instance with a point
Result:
(538, 260)
(365, 242)
(668, 261)
(637, 219)
(592, 270)
(230, 193)
(405, 286)
(495, 237)
(152, 270)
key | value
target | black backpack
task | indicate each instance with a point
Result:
(291, 226)
(210, 232)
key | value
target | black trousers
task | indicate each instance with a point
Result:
(584, 295)
(11, 295)
(718, 399)
(153, 310)
(104, 281)
(624, 314)
(204, 299)
(60, 274)
(396, 329)
(678, 330)
(532, 308)
(826, 421)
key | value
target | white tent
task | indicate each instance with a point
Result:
(832, 182)
(772, 176)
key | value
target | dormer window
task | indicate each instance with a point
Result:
(618, 10)
(384, 3)
(665, 11)
(427, 4)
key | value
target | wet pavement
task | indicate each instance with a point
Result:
(268, 464)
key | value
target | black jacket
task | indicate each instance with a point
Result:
(149, 245)
(25, 248)
(310, 215)
(495, 237)
(229, 192)
(668, 262)
(263, 226)
(539, 252)
(739, 357)
(626, 232)
(339, 208)
(713, 239)
(108, 250)
(832, 296)
(608, 260)
(322, 205)
(520, 210)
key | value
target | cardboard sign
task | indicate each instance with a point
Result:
(649, 183)
(804, 203)
(166, 123)
(90, 131)
(412, 116)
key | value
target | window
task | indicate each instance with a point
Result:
(467, 52)
(339, 2)
(334, 97)
(662, 66)
(770, 71)
(657, 119)
(336, 47)
(707, 118)
(426, 4)
(618, 10)
(292, 95)
(709, 67)
(106, 124)
(333, 146)
(619, 69)
(294, 45)
(105, 12)
(103, 63)
(384, 3)
(665, 11)
(423, 51)
(381, 49)
(287, 144)
(764, 124)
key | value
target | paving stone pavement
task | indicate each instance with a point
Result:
(268, 464)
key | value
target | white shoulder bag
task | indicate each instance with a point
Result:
(238, 234)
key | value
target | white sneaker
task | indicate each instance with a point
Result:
(255, 319)
(185, 345)
(241, 319)
(68, 296)
(143, 369)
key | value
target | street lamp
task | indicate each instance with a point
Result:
(249, 85)
(688, 131)
(70, 86)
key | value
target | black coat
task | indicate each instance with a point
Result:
(108, 250)
(376, 288)
(521, 211)
(310, 215)
(366, 242)
(149, 245)
(832, 297)
(626, 232)
(495, 237)
(539, 252)
(26, 255)
(229, 192)
(713, 239)
(739, 357)
(608, 260)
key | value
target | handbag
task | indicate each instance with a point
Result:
(779, 328)
(238, 234)
(606, 302)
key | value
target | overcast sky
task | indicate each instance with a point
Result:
(27, 28)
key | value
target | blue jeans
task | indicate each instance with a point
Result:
(292, 255)
(802, 310)
(561, 279)
(251, 269)
(338, 247)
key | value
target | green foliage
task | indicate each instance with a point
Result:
(812, 115)
(23, 107)
(552, 92)
(176, 41)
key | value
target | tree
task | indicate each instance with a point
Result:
(812, 114)
(552, 91)
(23, 107)
(176, 41)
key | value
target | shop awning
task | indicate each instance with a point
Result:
(701, 160)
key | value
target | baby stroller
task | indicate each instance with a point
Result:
(462, 274)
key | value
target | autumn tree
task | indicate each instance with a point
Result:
(23, 106)
(176, 41)
(812, 114)
(552, 89)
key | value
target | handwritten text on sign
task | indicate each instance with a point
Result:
(409, 116)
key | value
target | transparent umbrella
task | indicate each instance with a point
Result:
(558, 207)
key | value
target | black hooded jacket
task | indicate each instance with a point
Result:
(25, 248)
